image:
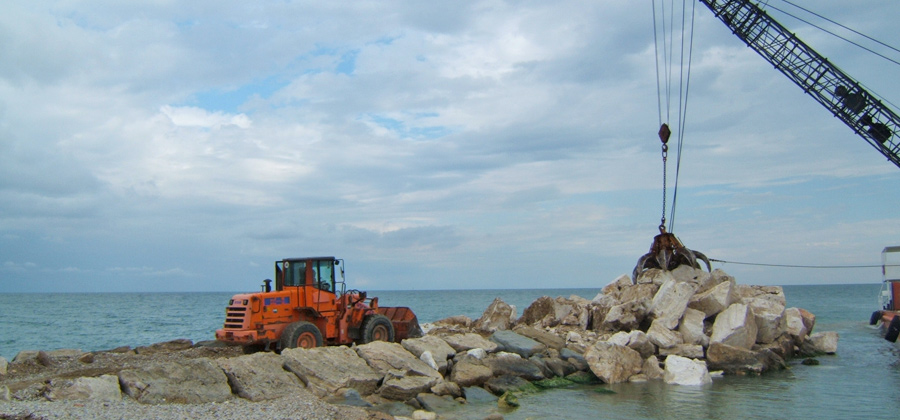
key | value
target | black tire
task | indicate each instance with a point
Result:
(376, 328)
(301, 334)
(893, 330)
(876, 316)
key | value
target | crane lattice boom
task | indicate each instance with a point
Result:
(831, 87)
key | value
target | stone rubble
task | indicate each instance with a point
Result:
(674, 326)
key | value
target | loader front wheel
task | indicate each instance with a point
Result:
(301, 334)
(377, 328)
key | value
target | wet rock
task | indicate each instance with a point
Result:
(503, 384)
(468, 341)
(190, 381)
(103, 388)
(386, 357)
(737, 360)
(439, 349)
(510, 341)
(613, 363)
(651, 368)
(546, 338)
(470, 372)
(670, 301)
(820, 343)
(499, 315)
(437, 403)
(508, 400)
(735, 326)
(683, 371)
(260, 376)
(328, 369)
(347, 396)
(477, 394)
(512, 364)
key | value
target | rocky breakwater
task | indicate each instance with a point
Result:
(673, 326)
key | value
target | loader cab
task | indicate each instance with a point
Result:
(318, 272)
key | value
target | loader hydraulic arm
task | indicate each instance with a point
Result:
(839, 93)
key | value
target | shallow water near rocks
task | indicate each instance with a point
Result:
(861, 381)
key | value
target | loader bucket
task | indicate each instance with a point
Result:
(406, 325)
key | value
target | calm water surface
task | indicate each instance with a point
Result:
(862, 381)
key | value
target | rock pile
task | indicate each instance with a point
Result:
(673, 326)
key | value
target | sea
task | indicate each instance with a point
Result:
(862, 381)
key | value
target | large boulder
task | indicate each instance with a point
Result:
(626, 316)
(821, 343)
(691, 327)
(542, 336)
(769, 317)
(260, 376)
(387, 357)
(328, 369)
(440, 350)
(737, 360)
(103, 388)
(636, 340)
(404, 387)
(513, 364)
(794, 325)
(670, 301)
(613, 363)
(468, 341)
(735, 326)
(715, 299)
(499, 315)
(548, 312)
(189, 381)
(470, 372)
(684, 371)
(512, 342)
(661, 336)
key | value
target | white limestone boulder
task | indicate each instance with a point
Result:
(735, 326)
(683, 371)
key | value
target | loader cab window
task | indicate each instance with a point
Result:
(323, 275)
(294, 273)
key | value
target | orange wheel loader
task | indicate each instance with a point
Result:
(309, 307)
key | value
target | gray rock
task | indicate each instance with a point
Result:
(260, 376)
(190, 381)
(735, 326)
(103, 388)
(626, 316)
(328, 369)
(513, 364)
(636, 340)
(670, 301)
(347, 396)
(499, 315)
(447, 388)
(613, 363)
(548, 312)
(794, 325)
(469, 341)
(4, 393)
(437, 403)
(691, 327)
(387, 357)
(165, 347)
(660, 335)
(512, 342)
(402, 388)
(691, 351)
(822, 342)
(737, 360)
(715, 299)
(4, 366)
(542, 336)
(440, 350)
(470, 372)
(500, 385)
(477, 394)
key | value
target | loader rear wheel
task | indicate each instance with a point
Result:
(377, 328)
(301, 334)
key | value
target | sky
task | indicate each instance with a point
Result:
(163, 146)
